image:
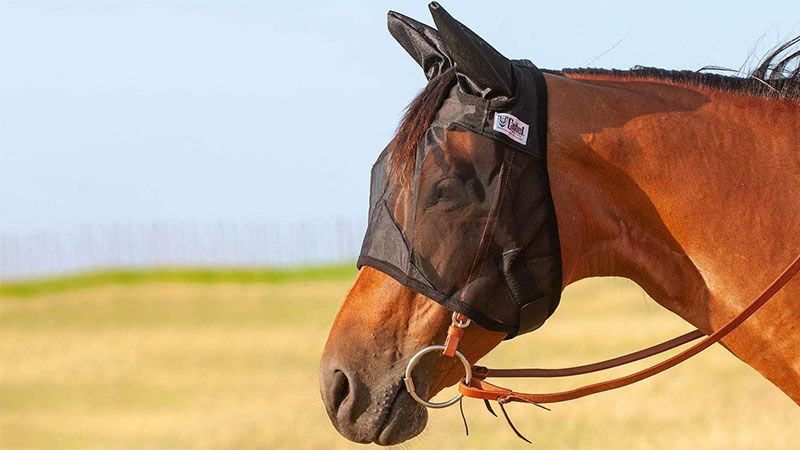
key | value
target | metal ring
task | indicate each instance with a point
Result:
(459, 323)
(410, 382)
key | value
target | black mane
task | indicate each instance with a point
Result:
(774, 77)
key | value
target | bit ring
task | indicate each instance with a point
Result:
(409, 382)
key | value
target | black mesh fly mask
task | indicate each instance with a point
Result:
(473, 226)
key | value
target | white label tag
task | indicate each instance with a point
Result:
(511, 127)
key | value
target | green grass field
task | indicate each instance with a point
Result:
(201, 360)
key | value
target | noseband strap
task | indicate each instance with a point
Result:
(477, 387)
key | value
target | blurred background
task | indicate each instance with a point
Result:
(183, 191)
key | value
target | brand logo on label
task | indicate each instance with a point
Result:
(512, 127)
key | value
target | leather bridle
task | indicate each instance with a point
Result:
(475, 385)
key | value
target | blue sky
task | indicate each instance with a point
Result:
(136, 111)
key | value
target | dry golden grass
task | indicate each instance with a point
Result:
(206, 366)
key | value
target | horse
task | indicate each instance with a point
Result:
(687, 183)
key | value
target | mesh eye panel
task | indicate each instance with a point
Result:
(474, 228)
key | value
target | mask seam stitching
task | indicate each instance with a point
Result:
(479, 265)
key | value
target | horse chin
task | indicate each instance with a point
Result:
(405, 419)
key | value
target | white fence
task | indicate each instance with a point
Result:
(149, 245)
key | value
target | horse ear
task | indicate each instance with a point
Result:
(422, 42)
(481, 69)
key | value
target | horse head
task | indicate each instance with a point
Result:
(461, 220)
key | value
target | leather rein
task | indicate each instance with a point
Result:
(474, 384)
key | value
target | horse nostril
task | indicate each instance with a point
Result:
(340, 388)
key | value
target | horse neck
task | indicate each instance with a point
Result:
(692, 193)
